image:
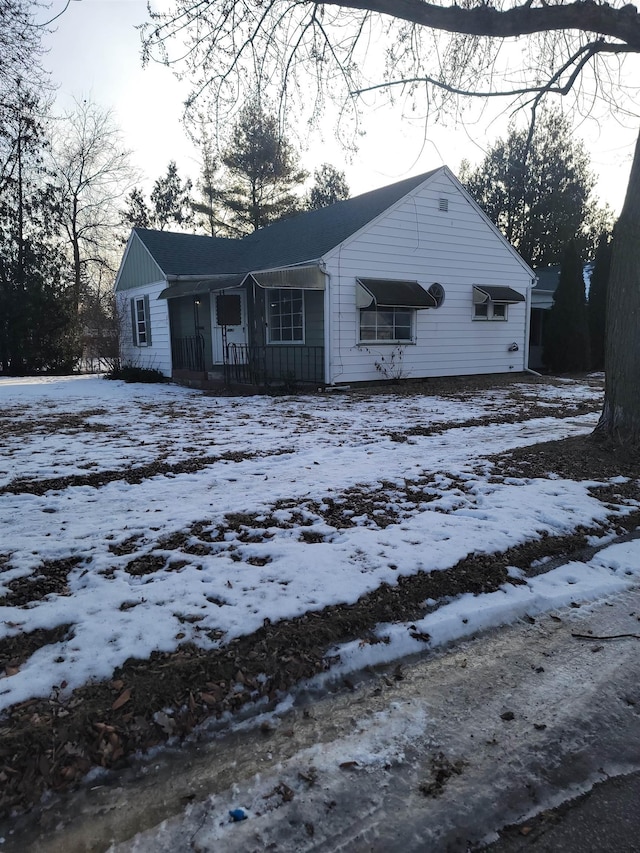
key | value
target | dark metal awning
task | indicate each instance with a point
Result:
(387, 293)
(309, 277)
(483, 293)
(199, 286)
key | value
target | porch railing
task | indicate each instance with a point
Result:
(273, 365)
(188, 353)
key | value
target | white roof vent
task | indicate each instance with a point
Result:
(443, 204)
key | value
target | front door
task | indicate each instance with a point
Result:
(229, 321)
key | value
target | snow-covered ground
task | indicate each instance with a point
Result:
(283, 463)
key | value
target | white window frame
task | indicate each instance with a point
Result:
(501, 316)
(141, 321)
(383, 340)
(276, 329)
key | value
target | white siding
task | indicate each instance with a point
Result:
(158, 355)
(416, 241)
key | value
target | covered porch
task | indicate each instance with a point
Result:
(263, 329)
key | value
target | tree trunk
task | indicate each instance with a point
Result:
(620, 419)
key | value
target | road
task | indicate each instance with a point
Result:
(437, 755)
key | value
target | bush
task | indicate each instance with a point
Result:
(132, 373)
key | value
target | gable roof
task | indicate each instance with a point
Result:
(305, 237)
(311, 235)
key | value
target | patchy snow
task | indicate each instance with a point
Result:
(282, 460)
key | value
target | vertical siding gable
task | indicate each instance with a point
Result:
(138, 267)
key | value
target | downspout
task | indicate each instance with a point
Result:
(328, 375)
(527, 327)
(169, 326)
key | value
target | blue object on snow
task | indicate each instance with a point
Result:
(238, 814)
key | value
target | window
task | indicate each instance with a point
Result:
(386, 325)
(285, 316)
(140, 321)
(490, 301)
(490, 311)
(229, 310)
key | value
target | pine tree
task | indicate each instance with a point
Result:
(264, 172)
(330, 186)
(170, 203)
(208, 209)
(38, 330)
(171, 200)
(540, 195)
(137, 213)
(566, 344)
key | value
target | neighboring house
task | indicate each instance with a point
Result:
(542, 296)
(411, 280)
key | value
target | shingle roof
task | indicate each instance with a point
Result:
(304, 237)
(189, 254)
(310, 235)
(547, 278)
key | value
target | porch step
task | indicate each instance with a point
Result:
(215, 375)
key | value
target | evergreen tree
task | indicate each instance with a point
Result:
(264, 171)
(171, 200)
(170, 203)
(539, 194)
(330, 186)
(209, 213)
(137, 213)
(37, 322)
(598, 301)
(566, 338)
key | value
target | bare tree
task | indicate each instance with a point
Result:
(92, 172)
(20, 46)
(20, 72)
(441, 51)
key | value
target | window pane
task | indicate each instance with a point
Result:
(402, 325)
(499, 312)
(141, 322)
(286, 324)
(482, 311)
(228, 310)
(386, 324)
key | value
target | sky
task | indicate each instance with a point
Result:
(303, 451)
(94, 53)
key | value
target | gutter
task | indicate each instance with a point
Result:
(178, 278)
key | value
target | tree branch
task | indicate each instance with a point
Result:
(582, 15)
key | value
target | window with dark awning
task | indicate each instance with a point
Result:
(386, 293)
(483, 293)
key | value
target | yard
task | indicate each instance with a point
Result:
(168, 557)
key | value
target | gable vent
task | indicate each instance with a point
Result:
(443, 204)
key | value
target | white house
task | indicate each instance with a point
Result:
(412, 279)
